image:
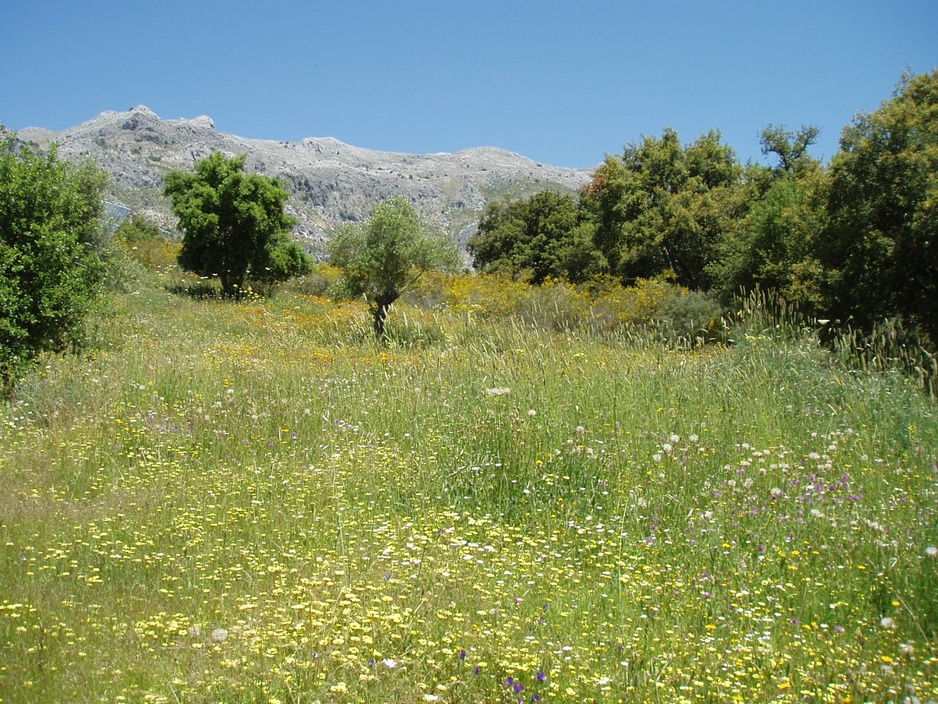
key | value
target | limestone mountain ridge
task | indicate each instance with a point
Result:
(330, 182)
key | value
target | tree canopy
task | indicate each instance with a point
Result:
(534, 239)
(50, 234)
(881, 251)
(234, 224)
(663, 208)
(381, 257)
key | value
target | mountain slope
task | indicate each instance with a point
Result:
(330, 182)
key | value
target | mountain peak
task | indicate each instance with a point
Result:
(330, 182)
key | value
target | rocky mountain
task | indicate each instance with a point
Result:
(330, 183)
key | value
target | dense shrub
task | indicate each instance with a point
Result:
(50, 268)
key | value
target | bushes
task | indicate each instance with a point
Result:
(50, 268)
(601, 306)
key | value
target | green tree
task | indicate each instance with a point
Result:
(880, 253)
(234, 224)
(791, 148)
(50, 271)
(382, 257)
(534, 239)
(664, 209)
(772, 247)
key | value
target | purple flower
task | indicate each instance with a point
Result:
(462, 654)
(541, 676)
(477, 671)
(536, 698)
(510, 681)
(518, 687)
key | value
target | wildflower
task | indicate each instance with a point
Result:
(888, 623)
(462, 654)
(931, 551)
(389, 663)
(541, 677)
(497, 391)
(219, 635)
(532, 413)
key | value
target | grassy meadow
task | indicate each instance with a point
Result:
(254, 502)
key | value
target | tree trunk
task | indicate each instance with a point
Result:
(381, 305)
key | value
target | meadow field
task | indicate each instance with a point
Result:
(255, 502)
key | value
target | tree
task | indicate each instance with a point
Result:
(234, 224)
(791, 148)
(50, 272)
(880, 252)
(772, 246)
(534, 239)
(664, 209)
(382, 257)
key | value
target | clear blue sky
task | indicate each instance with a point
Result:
(561, 82)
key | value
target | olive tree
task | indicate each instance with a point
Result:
(383, 256)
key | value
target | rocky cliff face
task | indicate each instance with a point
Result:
(330, 182)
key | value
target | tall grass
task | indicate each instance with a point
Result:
(255, 502)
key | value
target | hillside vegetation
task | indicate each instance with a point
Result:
(255, 502)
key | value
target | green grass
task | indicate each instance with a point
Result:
(256, 503)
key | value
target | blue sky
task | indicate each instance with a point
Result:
(564, 83)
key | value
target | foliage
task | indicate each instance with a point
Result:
(664, 208)
(791, 148)
(775, 243)
(534, 239)
(384, 256)
(50, 268)
(880, 254)
(234, 224)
